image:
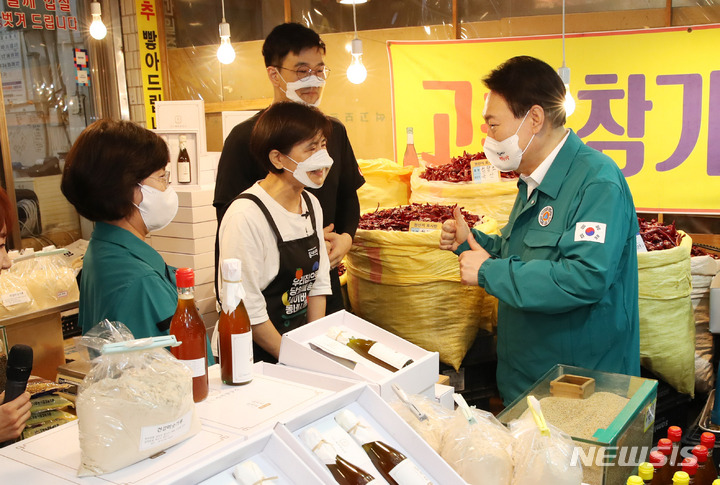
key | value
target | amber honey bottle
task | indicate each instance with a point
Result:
(393, 465)
(189, 328)
(234, 329)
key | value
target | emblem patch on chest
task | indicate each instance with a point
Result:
(545, 216)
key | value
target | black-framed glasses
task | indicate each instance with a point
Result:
(303, 73)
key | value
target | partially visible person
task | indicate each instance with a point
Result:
(275, 227)
(115, 175)
(564, 268)
(295, 63)
(13, 414)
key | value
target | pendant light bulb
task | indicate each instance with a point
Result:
(356, 72)
(225, 53)
(97, 27)
(569, 103)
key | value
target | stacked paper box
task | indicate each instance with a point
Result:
(189, 242)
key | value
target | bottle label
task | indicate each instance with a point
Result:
(197, 366)
(406, 473)
(183, 174)
(242, 357)
(154, 436)
(386, 354)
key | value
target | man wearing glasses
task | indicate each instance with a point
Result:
(294, 59)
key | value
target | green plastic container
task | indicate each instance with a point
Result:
(613, 453)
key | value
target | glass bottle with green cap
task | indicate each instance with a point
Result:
(645, 472)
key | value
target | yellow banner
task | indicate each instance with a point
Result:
(650, 99)
(150, 61)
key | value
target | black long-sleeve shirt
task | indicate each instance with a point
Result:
(238, 170)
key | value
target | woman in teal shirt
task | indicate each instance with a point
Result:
(115, 175)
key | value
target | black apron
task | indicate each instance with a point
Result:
(286, 295)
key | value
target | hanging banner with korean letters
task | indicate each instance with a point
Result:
(150, 61)
(649, 99)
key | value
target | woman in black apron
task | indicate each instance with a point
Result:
(289, 140)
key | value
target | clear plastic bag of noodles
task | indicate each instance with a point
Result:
(493, 199)
(135, 402)
(50, 279)
(542, 453)
(404, 283)
(478, 446)
(15, 296)
(664, 283)
(387, 184)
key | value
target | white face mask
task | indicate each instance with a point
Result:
(157, 208)
(319, 160)
(292, 88)
(506, 155)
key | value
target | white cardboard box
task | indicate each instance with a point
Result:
(364, 402)
(53, 457)
(194, 196)
(189, 230)
(194, 261)
(186, 246)
(276, 392)
(295, 351)
(268, 451)
(196, 214)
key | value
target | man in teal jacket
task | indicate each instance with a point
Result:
(564, 268)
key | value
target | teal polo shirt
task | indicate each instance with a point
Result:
(125, 280)
(564, 270)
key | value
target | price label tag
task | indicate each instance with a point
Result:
(641, 248)
(424, 226)
(483, 171)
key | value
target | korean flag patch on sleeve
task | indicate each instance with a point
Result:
(590, 231)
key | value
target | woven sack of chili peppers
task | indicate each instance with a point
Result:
(493, 199)
(703, 269)
(667, 324)
(402, 282)
(387, 184)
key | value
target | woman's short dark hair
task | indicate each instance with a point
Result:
(524, 82)
(282, 126)
(106, 163)
(287, 38)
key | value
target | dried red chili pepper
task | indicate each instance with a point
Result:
(458, 169)
(658, 236)
(399, 218)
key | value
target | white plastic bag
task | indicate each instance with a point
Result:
(428, 418)
(541, 452)
(134, 403)
(478, 446)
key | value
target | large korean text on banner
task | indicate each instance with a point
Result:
(649, 99)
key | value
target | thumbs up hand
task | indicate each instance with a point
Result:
(454, 231)
(470, 262)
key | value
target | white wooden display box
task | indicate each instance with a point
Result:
(364, 402)
(270, 452)
(295, 351)
(53, 457)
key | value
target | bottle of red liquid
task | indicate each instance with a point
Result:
(704, 475)
(674, 434)
(690, 466)
(189, 328)
(236, 345)
(664, 475)
(708, 441)
(657, 460)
